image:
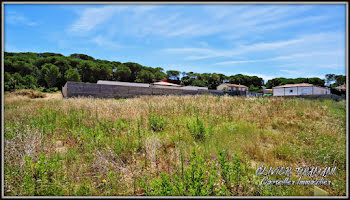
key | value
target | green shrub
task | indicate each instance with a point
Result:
(197, 129)
(200, 179)
(230, 172)
(39, 178)
(156, 123)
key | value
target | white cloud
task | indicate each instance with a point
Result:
(104, 42)
(224, 19)
(293, 72)
(302, 51)
(18, 19)
(299, 73)
(91, 17)
(203, 53)
(289, 57)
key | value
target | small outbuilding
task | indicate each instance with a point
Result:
(299, 89)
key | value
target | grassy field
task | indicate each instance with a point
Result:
(174, 145)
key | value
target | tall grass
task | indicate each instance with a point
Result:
(173, 145)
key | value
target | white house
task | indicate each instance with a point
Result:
(299, 89)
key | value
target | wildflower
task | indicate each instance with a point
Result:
(104, 180)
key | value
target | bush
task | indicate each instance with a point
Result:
(156, 123)
(197, 129)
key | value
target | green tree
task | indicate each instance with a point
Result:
(173, 74)
(274, 82)
(87, 71)
(316, 81)
(135, 69)
(145, 76)
(72, 75)
(82, 56)
(9, 81)
(29, 82)
(159, 75)
(340, 79)
(51, 74)
(198, 83)
(330, 78)
(122, 73)
(104, 71)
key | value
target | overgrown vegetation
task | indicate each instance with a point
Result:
(174, 145)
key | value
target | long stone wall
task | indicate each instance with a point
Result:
(76, 89)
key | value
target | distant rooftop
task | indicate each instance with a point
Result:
(295, 85)
(123, 83)
(341, 87)
(189, 87)
(161, 83)
(235, 85)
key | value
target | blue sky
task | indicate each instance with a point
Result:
(264, 40)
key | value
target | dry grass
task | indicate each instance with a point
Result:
(102, 137)
(29, 93)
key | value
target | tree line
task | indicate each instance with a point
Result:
(330, 80)
(50, 71)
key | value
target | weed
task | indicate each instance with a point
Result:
(39, 178)
(156, 123)
(197, 129)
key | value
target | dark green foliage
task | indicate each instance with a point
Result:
(87, 71)
(72, 75)
(145, 76)
(51, 74)
(173, 74)
(198, 83)
(159, 75)
(335, 80)
(246, 80)
(122, 73)
(82, 56)
(282, 81)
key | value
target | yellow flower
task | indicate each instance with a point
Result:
(104, 180)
